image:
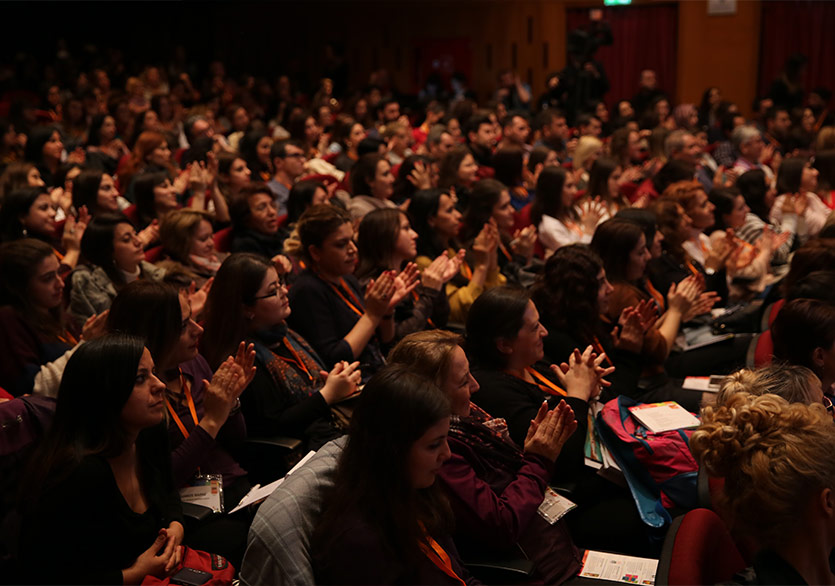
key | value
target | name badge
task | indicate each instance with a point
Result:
(554, 506)
(205, 490)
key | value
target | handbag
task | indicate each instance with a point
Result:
(218, 566)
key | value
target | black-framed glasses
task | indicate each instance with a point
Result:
(282, 282)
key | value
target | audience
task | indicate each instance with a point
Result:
(404, 216)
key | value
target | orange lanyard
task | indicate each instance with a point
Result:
(659, 299)
(68, 338)
(692, 269)
(355, 307)
(544, 384)
(468, 272)
(598, 347)
(436, 554)
(571, 225)
(505, 252)
(428, 319)
(297, 360)
(58, 254)
(189, 401)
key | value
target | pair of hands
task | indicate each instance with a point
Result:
(441, 270)
(795, 203)
(524, 242)
(341, 382)
(228, 382)
(583, 375)
(159, 560)
(486, 243)
(384, 293)
(591, 212)
(549, 431)
(74, 230)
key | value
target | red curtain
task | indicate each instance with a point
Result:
(799, 26)
(644, 38)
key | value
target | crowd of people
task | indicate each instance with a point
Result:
(186, 264)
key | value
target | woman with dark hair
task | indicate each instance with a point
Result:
(437, 223)
(96, 191)
(347, 133)
(30, 213)
(804, 334)
(255, 149)
(458, 170)
(205, 424)
(44, 149)
(505, 346)
(558, 220)
(708, 108)
(104, 148)
(31, 316)
(491, 200)
(495, 487)
(350, 325)
(372, 185)
(154, 196)
(386, 242)
(386, 520)
(98, 497)
(604, 186)
(797, 182)
(290, 395)
(675, 264)
(255, 224)
(509, 165)
(303, 127)
(113, 258)
(760, 197)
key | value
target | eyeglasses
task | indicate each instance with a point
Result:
(827, 403)
(282, 282)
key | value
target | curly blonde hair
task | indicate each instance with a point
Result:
(793, 383)
(774, 456)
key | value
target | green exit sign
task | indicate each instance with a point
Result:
(616, 2)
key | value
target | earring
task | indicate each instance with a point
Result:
(25, 232)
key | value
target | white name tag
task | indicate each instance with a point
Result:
(554, 506)
(205, 490)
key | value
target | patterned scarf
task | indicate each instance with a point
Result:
(488, 437)
(290, 360)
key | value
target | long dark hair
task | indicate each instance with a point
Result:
(300, 198)
(448, 168)
(376, 237)
(724, 199)
(18, 261)
(753, 187)
(143, 193)
(151, 311)
(15, 205)
(613, 241)
(97, 244)
(495, 314)
(396, 408)
(548, 196)
(363, 173)
(236, 283)
(424, 205)
(483, 199)
(566, 293)
(85, 189)
(599, 175)
(96, 383)
(248, 147)
(790, 174)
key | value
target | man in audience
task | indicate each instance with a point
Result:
(724, 153)
(647, 92)
(481, 138)
(515, 131)
(438, 142)
(778, 125)
(514, 94)
(553, 130)
(681, 145)
(288, 161)
(589, 125)
(748, 142)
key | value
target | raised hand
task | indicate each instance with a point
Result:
(378, 295)
(95, 326)
(583, 376)
(630, 335)
(149, 234)
(524, 242)
(420, 176)
(682, 295)
(433, 275)
(404, 283)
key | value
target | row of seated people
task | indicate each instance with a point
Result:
(506, 341)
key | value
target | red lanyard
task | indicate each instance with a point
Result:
(598, 347)
(436, 554)
(543, 383)
(189, 401)
(356, 306)
(428, 319)
(297, 360)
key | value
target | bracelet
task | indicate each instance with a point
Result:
(237, 406)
